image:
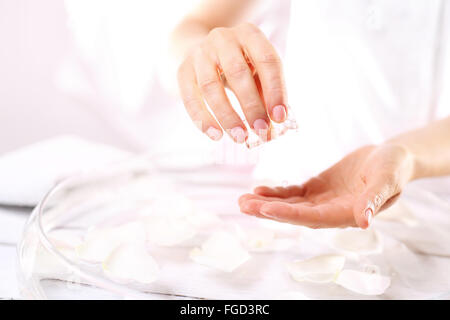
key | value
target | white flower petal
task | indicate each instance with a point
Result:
(358, 241)
(280, 228)
(407, 265)
(131, 262)
(48, 264)
(168, 231)
(363, 282)
(221, 251)
(320, 269)
(202, 220)
(256, 238)
(100, 242)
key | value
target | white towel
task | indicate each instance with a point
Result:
(28, 173)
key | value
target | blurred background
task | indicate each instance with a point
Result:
(97, 69)
(88, 68)
(358, 72)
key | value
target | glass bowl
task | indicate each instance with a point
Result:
(49, 267)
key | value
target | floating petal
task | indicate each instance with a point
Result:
(100, 242)
(168, 231)
(221, 251)
(363, 282)
(256, 238)
(358, 241)
(320, 269)
(131, 262)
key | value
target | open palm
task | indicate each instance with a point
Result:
(349, 193)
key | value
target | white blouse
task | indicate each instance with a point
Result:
(358, 72)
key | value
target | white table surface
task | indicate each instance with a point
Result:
(12, 220)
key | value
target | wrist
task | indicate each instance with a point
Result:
(411, 168)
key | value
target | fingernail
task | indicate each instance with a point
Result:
(214, 133)
(279, 113)
(261, 128)
(238, 134)
(369, 215)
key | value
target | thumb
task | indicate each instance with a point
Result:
(374, 197)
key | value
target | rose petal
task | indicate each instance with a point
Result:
(131, 262)
(100, 242)
(256, 238)
(202, 220)
(168, 231)
(47, 264)
(357, 241)
(320, 269)
(363, 282)
(221, 251)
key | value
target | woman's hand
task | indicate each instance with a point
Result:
(349, 193)
(252, 69)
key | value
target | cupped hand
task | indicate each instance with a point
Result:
(349, 193)
(242, 58)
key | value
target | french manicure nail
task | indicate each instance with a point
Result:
(261, 128)
(238, 134)
(369, 215)
(214, 133)
(279, 113)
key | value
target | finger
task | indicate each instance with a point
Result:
(213, 91)
(241, 81)
(332, 215)
(292, 213)
(268, 66)
(294, 199)
(281, 192)
(373, 199)
(252, 207)
(246, 197)
(194, 104)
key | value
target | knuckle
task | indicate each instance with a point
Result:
(219, 32)
(202, 52)
(191, 103)
(225, 118)
(208, 86)
(270, 59)
(236, 69)
(222, 38)
(204, 47)
(253, 106)
(196, 116)
(198, 54)
(276, 83)
(249, 27)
